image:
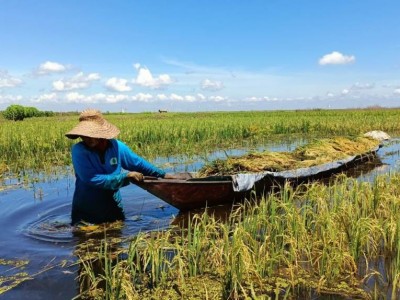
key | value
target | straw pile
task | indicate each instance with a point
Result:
(315, 153)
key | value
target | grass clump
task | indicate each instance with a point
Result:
(315, 153)
(296, 244)
(13, 274)
(39, 144)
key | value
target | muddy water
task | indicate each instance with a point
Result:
(34, 223)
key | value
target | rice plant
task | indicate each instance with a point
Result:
(315, 239)
(39, 143)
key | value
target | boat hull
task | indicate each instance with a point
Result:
(216, 190)
(186, 195)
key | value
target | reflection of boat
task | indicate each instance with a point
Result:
(191, 193)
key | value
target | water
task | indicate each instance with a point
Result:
(34, 223)
(34, 226)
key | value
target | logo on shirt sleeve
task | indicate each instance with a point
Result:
(113, 161)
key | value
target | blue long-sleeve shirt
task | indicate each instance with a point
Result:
(97, 198)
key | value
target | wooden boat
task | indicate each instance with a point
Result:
(192, 193)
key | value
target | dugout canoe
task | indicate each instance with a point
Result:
(193, 193)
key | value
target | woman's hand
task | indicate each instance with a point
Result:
(135, 177)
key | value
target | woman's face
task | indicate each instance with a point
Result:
(90, 142)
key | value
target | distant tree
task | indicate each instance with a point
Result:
(14, 112)
(18, 112)
(47, 113)
(31, 112)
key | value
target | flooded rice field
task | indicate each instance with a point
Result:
(37, 243)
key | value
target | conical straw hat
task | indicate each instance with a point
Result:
(92, 124)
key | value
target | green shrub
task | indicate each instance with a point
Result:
(18, 112)
(14, 112)
(31, 112)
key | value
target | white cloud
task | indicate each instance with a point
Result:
(164, 79)
(209, 85)
(162, 97)
(49, 67)
(52, 97)
(58, 85)
(355, 90)
(197, 101)
(79, 81)
(217, 98)
(254, 99)
(361, 86)
(118, 84)
(336, 58)
(176, 97)
(143, 97)
(266, 98)
(95, 98)
(396, 86)
(93, 76)
(8, 81)
(75, 98)
(190, 98)
(201, 96)
(146, 79)
(5, 99)
(98, 97)
(116, 98)
(263, 99)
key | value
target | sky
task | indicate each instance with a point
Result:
(199, 55)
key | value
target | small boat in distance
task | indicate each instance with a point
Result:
(192, 193)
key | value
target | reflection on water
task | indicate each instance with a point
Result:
(92, 241)
(35, 222)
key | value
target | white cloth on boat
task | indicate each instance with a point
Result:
(245, 181)
(378, 135)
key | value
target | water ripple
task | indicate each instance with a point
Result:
(50, 228)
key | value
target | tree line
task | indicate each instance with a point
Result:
(17, 112)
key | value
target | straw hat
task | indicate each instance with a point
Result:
(92, 124)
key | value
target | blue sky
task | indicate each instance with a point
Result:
(193, 55)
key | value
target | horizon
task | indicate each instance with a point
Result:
(106, 112)
(190, 56)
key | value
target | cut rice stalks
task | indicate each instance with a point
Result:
(315, 153)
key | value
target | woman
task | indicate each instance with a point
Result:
(99, 161)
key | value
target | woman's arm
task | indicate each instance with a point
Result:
(133, 162)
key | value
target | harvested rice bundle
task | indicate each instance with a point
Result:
(315, 153)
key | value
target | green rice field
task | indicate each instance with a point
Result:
(334, 240)
(40, 144)
(316, 239)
